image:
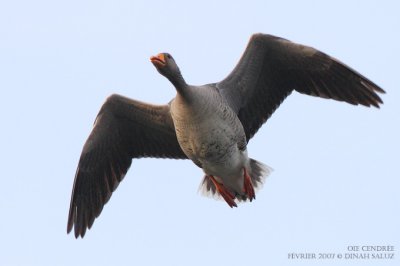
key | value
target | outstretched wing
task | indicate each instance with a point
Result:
(272, 67)
(124, 129)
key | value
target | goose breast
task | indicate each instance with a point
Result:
(208, 130)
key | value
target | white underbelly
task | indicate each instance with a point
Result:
(230, 172)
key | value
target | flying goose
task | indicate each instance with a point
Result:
(210, 124)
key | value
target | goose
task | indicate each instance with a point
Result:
(209, 124)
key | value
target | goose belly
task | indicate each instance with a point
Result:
(213, 145)
(210, 133)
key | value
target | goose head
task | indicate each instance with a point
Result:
(166, 66)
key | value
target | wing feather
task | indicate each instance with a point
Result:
(271, 68)
(124, 129)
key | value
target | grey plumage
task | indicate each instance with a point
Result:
(210, 124)
(272, 67)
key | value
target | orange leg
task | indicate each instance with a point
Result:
(224, 192)
(248, 186)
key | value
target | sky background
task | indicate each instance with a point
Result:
(335, 181)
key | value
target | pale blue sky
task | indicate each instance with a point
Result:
(336, 180)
